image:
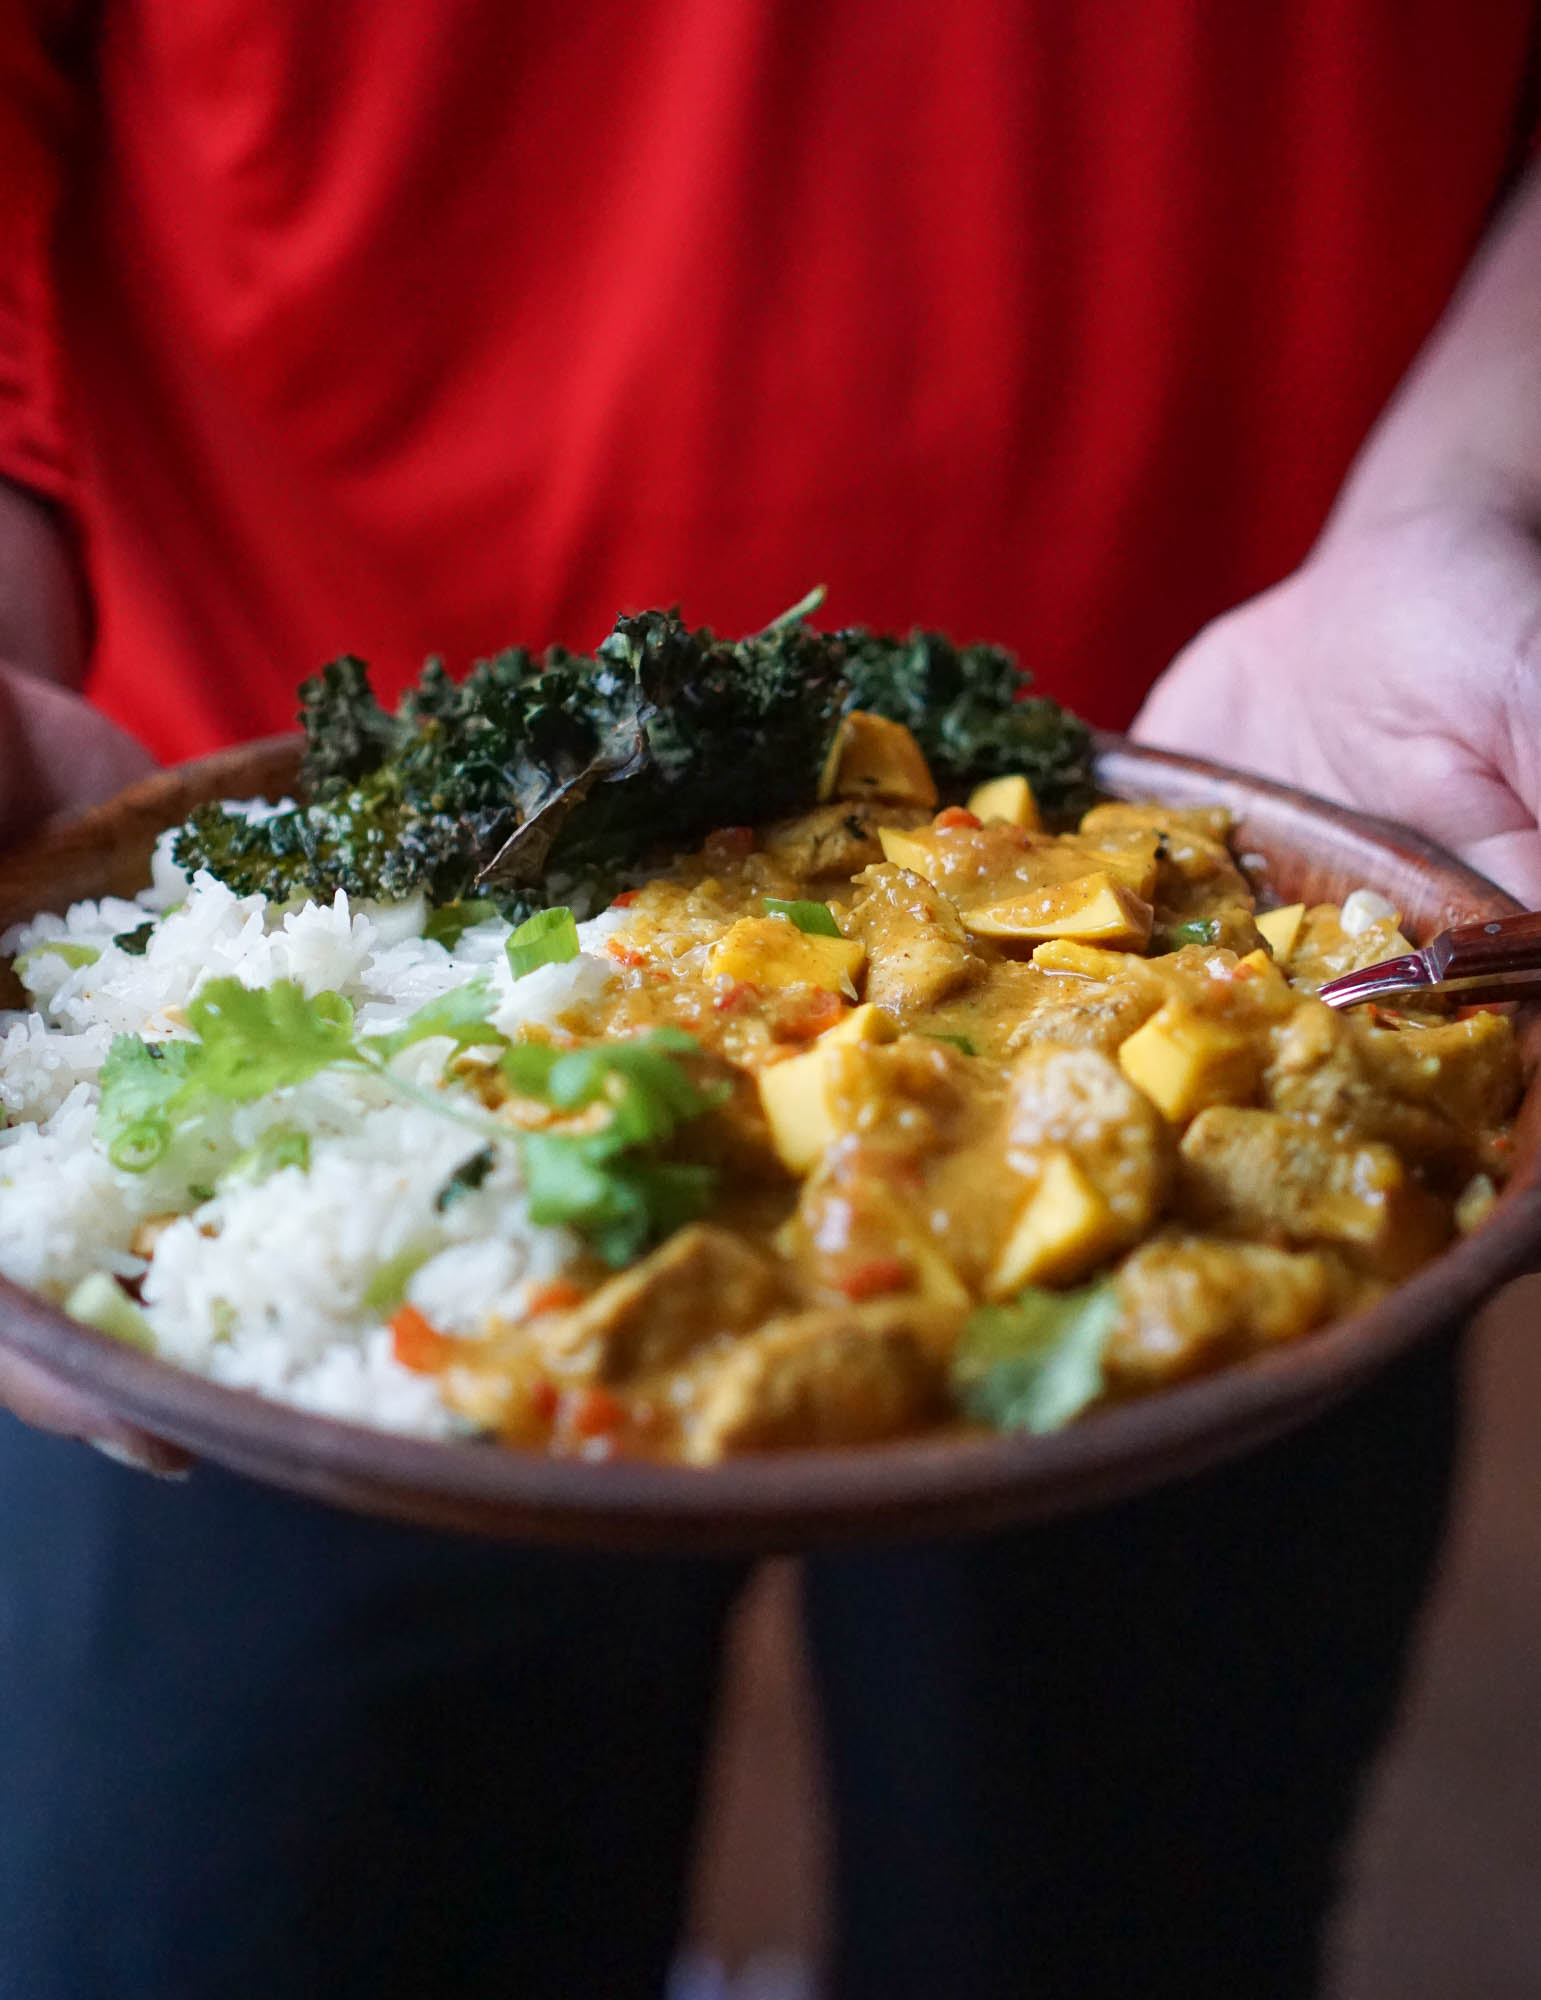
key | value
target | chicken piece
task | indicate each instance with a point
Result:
(1259, 1173)
(1432, 1092)
(917, 952)
(1089, 1159)
(1085, 998)
(1187, 1303)
(1079, 1101)
(856, 1233)
(1196, 876)
(704, 1281)
(836, 839)
(835, 1375)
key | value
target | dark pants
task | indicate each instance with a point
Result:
(254, 1750)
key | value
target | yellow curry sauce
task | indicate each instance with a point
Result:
(1006, 1061)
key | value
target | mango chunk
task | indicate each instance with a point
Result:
(867, 1023)
(769, 951)
(795, 1097)
(1280, 928)
(1011, 799)
(1087, 961)
(873, 758)
(909, 850)
(1092, 909)
(1062, 1230)
(1184, 1063)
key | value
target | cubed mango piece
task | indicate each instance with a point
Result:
(1092, 909)
(796, 1099)
(1184, 1063)
(1280, 928)
(1063, 1229)
(770, 951)
(915, 851)
(874, 758)
(867, 1023)
(1011, 799)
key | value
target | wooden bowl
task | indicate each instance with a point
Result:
(927, 1486)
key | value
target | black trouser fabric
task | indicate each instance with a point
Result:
(251, 1747)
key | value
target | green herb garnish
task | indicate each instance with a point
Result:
(1035, 1364)
(959, 1042)
(610, 1184)
(550, 937)
(817, 919)
(136, 942)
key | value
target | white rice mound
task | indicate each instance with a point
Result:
(264, 1284)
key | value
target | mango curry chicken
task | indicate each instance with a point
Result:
(894, 1112)
(1005, 1122)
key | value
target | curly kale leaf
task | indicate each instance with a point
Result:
(572, 770)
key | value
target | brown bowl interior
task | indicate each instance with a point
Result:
(941, 1485)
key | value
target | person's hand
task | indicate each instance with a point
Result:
(56, 755)
(1398, 671)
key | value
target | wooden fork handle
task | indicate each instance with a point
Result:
(1479, 951)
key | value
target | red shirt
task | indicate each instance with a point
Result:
(425, 326)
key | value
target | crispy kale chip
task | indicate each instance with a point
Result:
(569, 770)
(967, 709)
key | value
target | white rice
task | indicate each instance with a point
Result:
(266, 1284)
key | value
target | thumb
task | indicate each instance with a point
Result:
(57, 753)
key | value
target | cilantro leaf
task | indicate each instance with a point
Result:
(550, 937)
(257, 1040)
(608, 1184)
(461, 1013)
(1035, 1364)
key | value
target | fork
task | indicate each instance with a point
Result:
(1496, 960)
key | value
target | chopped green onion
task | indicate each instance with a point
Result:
(550, 937)
(960, 1042)
(74, 955)
(101, 1302)
(387, 1288)
(136, 942)
(1200, 930)
(817, 919)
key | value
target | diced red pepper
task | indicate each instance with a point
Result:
(544, 1399)
(729, 844)
(951, 816)
(624, 900)
(418, 1344)
(556, 1296)
(593, 1412)
(876, 1275)
(802, 1021)
(626, 954)
(731, 998)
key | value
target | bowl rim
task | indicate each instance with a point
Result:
(939, 1484)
